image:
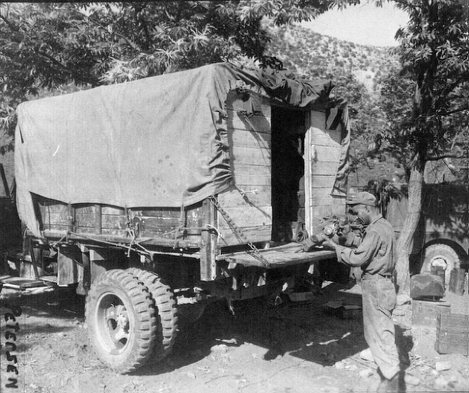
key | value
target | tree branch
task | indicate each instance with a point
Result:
(442, 156)
(126, 39)
(10, 25)
(55, 61)
(447, 113)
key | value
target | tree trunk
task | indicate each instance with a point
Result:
(404, 243)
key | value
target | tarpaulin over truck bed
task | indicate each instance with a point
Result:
(160, 141)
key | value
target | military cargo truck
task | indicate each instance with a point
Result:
(441, 239)
(153, 196)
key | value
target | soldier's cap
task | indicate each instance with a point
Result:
(362, 198)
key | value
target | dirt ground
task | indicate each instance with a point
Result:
(291, 348)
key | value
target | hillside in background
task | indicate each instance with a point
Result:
(308, 53)
(356, 71)
(312, 55)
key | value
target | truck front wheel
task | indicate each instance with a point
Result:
(121, 320)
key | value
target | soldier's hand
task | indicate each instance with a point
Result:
(329, 244)
(346, 229)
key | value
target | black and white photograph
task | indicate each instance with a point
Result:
(235, 196)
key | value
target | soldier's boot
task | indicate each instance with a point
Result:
(394, 385)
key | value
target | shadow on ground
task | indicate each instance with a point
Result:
(302, 330)
(43, 313)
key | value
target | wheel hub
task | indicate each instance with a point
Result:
(122, 318)
(117, 324)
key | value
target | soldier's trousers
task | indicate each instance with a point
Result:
(379, 300)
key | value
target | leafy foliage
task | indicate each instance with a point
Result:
(426, 101)
(45, 46)
(357, 72)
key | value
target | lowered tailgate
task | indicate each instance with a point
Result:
(275, 257)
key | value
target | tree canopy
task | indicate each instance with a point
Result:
(426, 101)
(61, 46)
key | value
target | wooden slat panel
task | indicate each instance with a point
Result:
(56, 218)
(320, 194)
(282, 256)
(160, 223)
(258, 195)
(85, 220)
(111, 221)
(194, 217)
(53, 213)
(247, 216)
(87, 230)
(322, 167)
(326, 137)
(52, 205)
(85, 209)
(115, 232)
(58, 227)
(252, 175)
(326, 153)
(87, 216)
(241, 139)
(251, 155)
(328, 201)
(325, 168)
(250, 139)
(156, 212)
(113, 210)
(323, 181)
(237, 103)
(257, 122)
(254, 234)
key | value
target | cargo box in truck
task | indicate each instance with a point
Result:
(154, 196)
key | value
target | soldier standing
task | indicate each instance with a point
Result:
(376, 256)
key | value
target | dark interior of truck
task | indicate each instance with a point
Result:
(288, 202)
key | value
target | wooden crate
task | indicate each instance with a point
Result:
(425, 313)
(457, 281)
(426, 286)
(452, 334)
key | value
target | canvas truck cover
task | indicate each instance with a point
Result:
(160, 141)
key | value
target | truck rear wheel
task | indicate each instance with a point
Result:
(166, 311)
(440, 255)
(121, 320)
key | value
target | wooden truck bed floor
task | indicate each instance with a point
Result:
(288, 254)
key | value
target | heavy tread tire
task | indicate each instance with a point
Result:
(443, 251)
(165, 305)
(142, 336)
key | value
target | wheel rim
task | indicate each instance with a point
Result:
(113, 323)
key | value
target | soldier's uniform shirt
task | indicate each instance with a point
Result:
(376, 255)
(376, 252)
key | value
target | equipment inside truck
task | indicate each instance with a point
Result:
(288, 168)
